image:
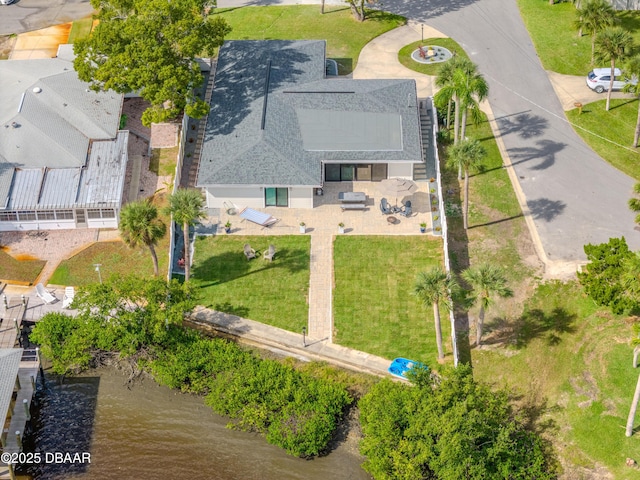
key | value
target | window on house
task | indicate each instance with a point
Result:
(46, 215)
(26, 215)
(64, 214)
(8, 217)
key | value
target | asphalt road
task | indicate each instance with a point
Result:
(574, 196)
(27, 15)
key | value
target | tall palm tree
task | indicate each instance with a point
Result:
(612, 44)
(632, 70)
(465, 155)
(433, 287)
(592, 17)
(186, 206)
(453, 80)
(487, 281)
(475, 90)
(139, 224)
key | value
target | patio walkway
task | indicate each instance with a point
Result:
(321, 287)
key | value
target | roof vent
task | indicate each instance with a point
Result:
(36, 90)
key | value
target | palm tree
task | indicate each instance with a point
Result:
(465, 155)
(186, 206)
(632, 70)
(475, 90)
(456, 79)
(486, 280)
(593, 17)
(433, 287)
(139, 224)
(612, 44)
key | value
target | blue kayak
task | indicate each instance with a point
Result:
(400, 366)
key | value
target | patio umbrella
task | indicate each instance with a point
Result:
(397, 187)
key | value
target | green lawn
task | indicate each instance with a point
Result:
(115, 258)
(344, 35)
(373, 308)
(556, 40)
(610, 134)
(19, 270)
(572, 361)
(274, 293)
(80, 29)
(496, 223)
(404, 55)
(163, 161)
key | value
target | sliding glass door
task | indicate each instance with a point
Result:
(364, 172)
(276, 197)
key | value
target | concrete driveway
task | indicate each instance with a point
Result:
(27, 15)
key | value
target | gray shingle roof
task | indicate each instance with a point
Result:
(285, 141)
(51, 128)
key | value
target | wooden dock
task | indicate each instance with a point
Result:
(11, 320)
(10, 328)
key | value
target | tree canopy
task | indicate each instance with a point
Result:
(149, 47)
(603, 278)
(452, 428)
(140, 225)
(124, 315)
(187, 207)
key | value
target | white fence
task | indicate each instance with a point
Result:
(445, 234)
(625, 4)
(176, 183)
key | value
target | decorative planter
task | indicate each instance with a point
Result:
(423, 229)
(340, 229)
(303, 229)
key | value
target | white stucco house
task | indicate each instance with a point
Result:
(279, 128)
(62, 156)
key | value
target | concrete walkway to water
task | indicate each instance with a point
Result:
(281, 341)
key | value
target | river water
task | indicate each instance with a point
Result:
(151, 432)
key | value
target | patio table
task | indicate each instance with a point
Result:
(352, 197)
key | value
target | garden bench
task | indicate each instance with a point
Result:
(353, 206)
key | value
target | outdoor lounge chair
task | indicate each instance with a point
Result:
(249, 252)
(67, 300)
(44, 294)
(269, 254)
(385, 207)
(407, 211)
(263, 219)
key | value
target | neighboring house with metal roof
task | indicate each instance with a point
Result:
(9, 384)
(62, 156)
(278, 129)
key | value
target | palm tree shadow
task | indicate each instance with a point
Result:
(538, 324)
(524, 125)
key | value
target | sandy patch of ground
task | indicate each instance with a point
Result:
(53, 246)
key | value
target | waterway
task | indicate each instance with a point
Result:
(151, 432)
